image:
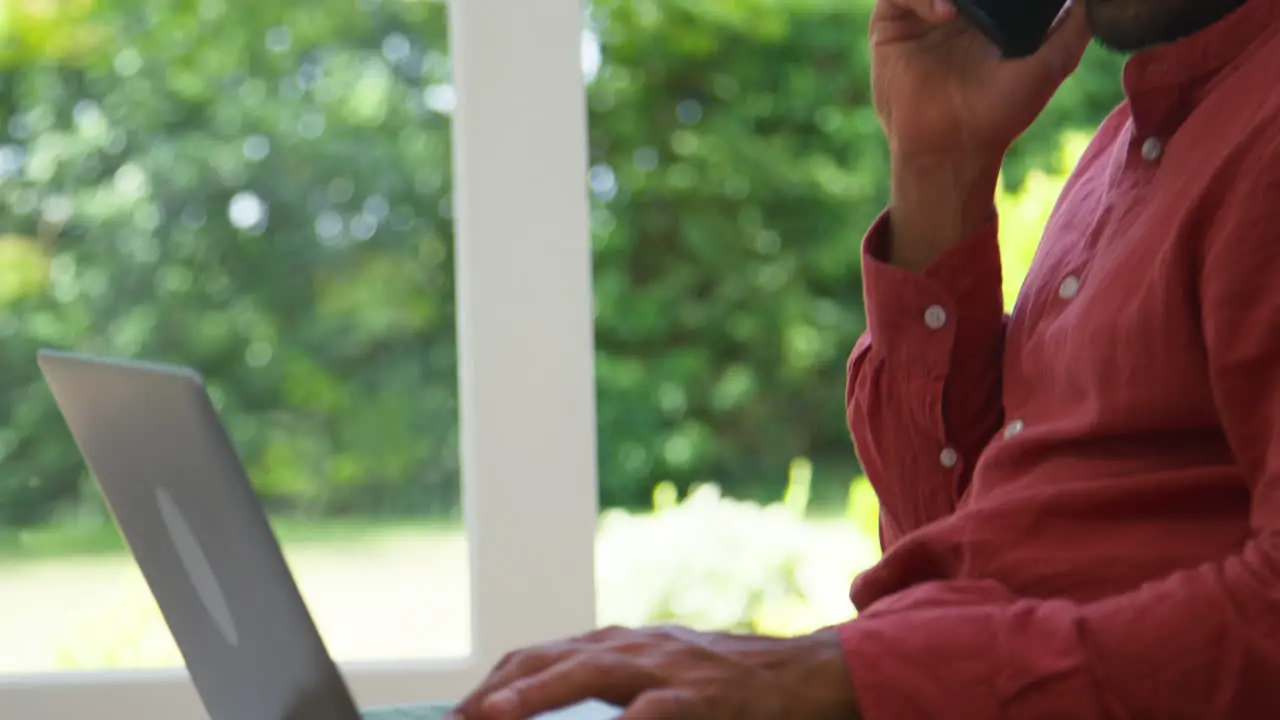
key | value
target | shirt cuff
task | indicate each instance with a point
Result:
(968, 649)
(921, 666)
(958, 300)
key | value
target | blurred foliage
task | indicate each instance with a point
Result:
(716, 563)
(256, 189)
(262, 190)
(1024, 211)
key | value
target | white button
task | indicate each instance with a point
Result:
(1013, 428)
(1152, 149)
(1069, 287)
(948, 457)
(935, 317)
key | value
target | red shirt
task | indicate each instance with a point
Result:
(1081, 500)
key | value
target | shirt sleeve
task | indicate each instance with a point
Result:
(1202, 643)
(924, 382)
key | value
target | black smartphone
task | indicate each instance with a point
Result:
(1017, 27)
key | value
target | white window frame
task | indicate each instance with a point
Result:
(526, 373)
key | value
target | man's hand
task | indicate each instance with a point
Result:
(673, 674)
(951, 107)
(942, 90)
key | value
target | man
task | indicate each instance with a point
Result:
(1080, 501)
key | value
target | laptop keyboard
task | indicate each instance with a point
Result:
(591, 710)
(409, 712)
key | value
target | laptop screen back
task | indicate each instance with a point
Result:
(182, 500)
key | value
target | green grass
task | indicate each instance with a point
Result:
(82, 540)
(59, 541)
(74, 599)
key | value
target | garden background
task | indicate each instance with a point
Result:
(262, 190)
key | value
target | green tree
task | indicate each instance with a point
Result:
(258, 189)
(737, 162)
(262, 190)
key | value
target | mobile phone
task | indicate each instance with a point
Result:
(1017, 27)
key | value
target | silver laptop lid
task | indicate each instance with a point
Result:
(180, 497)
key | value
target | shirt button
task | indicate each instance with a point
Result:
(1013, 428)
(948, 457)
(1069, 287)
(1152, 149)
(935, 317)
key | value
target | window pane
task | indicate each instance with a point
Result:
(259, 190)
(736, 160)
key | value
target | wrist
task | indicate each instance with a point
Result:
(937, 202)
(807, 675)
(816, 665)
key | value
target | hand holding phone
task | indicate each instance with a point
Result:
(941, 88)
(1017, 27)
(951, 105)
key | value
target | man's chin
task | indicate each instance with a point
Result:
(1130, 26)
(1121, 44)
(1125, 34)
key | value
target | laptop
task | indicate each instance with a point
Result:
(183, 503)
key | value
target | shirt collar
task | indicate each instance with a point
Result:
(1163, 84)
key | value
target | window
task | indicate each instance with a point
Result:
(211, 201)
(735, 162)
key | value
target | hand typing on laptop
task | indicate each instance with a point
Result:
(674, 674)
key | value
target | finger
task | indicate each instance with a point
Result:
(931, 11)
(510, 669)
(1064, 47)
(584, 677)
(667, 704)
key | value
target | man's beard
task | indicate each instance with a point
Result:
(1129, 26)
